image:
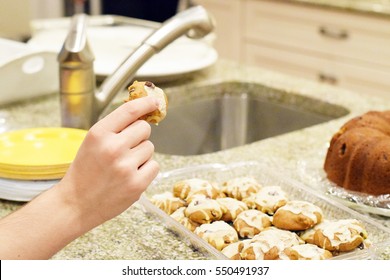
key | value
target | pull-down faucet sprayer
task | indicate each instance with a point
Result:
(81, 103)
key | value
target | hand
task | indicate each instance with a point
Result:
(114, 164)
(112, 168)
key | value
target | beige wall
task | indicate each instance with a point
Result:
(15, 15)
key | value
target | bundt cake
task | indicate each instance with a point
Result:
(358, 157)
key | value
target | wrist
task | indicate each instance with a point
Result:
(55, 220)
(69, 214)
(39, 229)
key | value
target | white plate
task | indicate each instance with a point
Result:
(314, 174)
(112, 44)
(21, 190)
(363, 207)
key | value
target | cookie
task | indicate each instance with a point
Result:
(297, 215)
(167, 202)
(268, 244)
(218, 234)
(240, 187)
(288, 238)
(339, 235)
(308, 235)
(268, 199)
(233, 208)
(142, 89)
(179, 216)
(233, 251)
(250, 222)
(187, 189)
(305, 252)
(204, 210)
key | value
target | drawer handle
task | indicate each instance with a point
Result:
(327, 78)
(334, 33)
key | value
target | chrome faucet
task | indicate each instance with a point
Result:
(81, 103)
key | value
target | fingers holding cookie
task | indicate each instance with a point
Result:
(143, 89)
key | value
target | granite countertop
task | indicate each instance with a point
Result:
(137, 235)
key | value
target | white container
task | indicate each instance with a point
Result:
(26, 72)
(377, 233)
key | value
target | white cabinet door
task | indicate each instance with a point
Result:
(228, 26)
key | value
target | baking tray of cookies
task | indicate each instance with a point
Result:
(372, 234)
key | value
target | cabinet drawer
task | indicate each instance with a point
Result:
(359, 37)
(372, 82)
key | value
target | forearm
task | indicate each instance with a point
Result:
(113, 166)
(40, 228)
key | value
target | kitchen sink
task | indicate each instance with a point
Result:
(221, 116)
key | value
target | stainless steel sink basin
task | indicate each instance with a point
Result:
(222, 116)
(226, 115)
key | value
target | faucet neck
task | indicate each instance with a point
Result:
(81, 105)
(121, 77)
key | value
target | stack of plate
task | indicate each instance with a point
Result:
(31, 160)
(18, 190)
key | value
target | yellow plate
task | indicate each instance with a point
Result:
(31, 169)
(32, 177)
(39, 147)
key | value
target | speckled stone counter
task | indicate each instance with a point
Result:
(137, 235)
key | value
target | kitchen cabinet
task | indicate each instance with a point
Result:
(227, 15)
(334, 46)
